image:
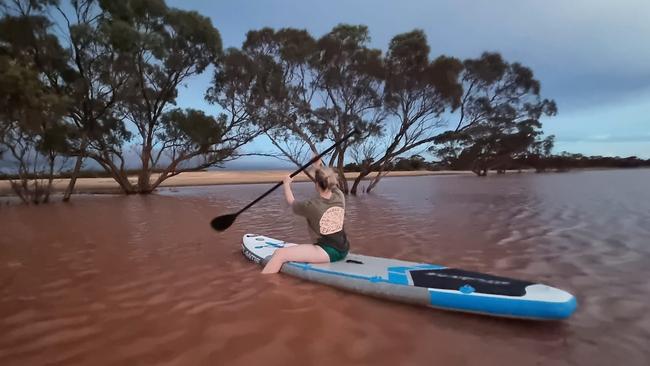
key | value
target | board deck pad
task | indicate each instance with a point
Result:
(425, 284)
(452, 279)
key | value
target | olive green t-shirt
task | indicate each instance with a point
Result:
(325, 219)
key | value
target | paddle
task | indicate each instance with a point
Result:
(223, 222)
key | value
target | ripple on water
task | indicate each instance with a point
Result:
(144, 280)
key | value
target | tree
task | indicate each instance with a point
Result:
(415, 162)
(164, 47)
(351, 79)
(30, 130)
(101, 76)
(416, 95)
(539, 153)
(33, 129)
(285, 89)
(499, 115)
(309, 91)
(252, 89)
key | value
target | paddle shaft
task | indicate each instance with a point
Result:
(298, 171)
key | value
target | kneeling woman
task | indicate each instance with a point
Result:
(324, 214)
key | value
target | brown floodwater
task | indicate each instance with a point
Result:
(143, 280)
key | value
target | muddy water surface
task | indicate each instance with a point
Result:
(137, 280)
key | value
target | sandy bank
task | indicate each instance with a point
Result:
(108, 185)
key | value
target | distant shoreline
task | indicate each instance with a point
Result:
(236, 177)
(209, 178)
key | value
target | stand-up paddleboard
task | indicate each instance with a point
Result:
(425, 284)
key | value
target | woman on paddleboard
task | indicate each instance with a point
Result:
(325, 214)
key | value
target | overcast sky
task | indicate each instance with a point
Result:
(592, 57)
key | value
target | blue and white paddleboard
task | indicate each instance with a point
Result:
(425, 284)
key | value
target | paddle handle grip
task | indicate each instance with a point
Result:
(313, 160)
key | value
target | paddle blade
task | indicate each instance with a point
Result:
(221, 223)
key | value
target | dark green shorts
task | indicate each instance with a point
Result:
(334, 254)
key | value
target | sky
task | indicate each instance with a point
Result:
(591, 57)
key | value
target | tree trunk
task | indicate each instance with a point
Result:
(342, 181)
(50, 180)
(476, 170)
(116, 173)
(480, 171)
(480, 167)
(17, 188)
(373, 183)
(357, 181)
(125, 184)
(75, 172)
(375, 180)
(145, 174)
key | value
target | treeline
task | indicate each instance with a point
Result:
(562, 162)
(415, 162)
(566, 161)
(98, 80)
(547, 162)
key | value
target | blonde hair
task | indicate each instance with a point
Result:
(325, 178)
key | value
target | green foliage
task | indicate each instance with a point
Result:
(302, 91)
(499, 117)
(33, 105)
(158, 48)
(417, 93)
(112, 86)
(415, 162)
(350, 76)
(192, 129)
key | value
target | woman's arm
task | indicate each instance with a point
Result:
(288, 195)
